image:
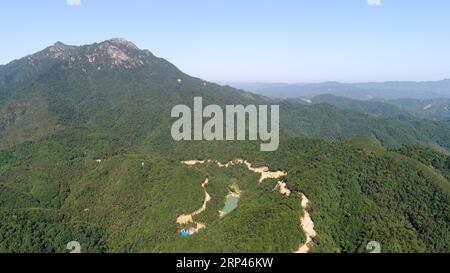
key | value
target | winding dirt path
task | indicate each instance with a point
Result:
(305, 222)
(283, 189)
(308, 226)
(188, 218)
(263, 171)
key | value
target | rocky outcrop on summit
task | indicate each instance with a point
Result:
(112, 53)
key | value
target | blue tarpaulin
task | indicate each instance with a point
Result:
(184, 233)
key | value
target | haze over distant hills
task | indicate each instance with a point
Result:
(435, 109)
(363, 91)
(421, 99)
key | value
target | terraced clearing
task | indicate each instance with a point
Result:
(306, 222)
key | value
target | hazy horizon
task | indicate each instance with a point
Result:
(328, 81)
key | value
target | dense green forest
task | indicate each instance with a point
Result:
(86, 155)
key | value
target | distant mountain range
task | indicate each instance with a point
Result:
(362, 91)
(435, 109)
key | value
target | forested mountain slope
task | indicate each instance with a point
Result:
(86, 155)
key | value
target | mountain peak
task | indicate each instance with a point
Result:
(58, 49)
(120, 52)
(59, 44)
(110, 53)
(121, 42)
(116, 53)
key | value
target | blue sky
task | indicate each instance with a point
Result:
(250, 40)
